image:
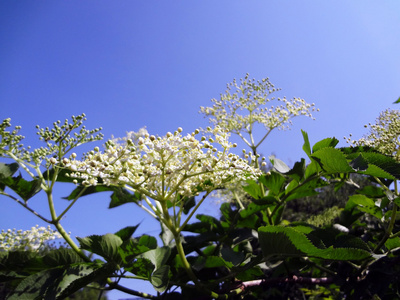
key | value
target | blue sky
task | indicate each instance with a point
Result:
(129, 64)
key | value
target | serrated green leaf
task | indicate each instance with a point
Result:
(126, 232)
(130, 250)
(76, 277)
(286, 241)
(325, 143)
(332, 160)
(148, 241)
(386, 163)
(359, 163)
(35, 286)
(104, 245)
(61, 256)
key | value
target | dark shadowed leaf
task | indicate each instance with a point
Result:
(60, 257)
(25, 189)
(35, 286)
(126, 233)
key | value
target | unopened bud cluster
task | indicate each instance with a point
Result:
(168, 167)
(238, 110)
(59, 139)
(384, 135)
(35, 239)
(10, 140)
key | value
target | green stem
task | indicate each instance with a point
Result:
(61, 230)
(192, 212)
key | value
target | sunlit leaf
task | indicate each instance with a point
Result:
(286, 241)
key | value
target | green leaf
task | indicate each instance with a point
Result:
(325, 143)
(158, 256)
(253, 189)
(365, 204)
(35, 286)
(76, 277)
(306, 145)
(274, 182)
(87, 190)
(61, 257)
(312, 169)
(122, 196)
(188, 203)
(148, 241)
(379, 165)
(130, 250)
(397, 101)
(211, 262)
(359, 163)
(386, 163)
(160, 278)
(103, 245)
(126, 233)
(332, 160)
(62, 175)
(286, 241)
(298, 170)
(392, 243)
(25, 189)
(8, 170)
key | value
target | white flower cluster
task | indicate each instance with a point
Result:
(384, 135)
(29, 240)
(165, 168)
(252, 97)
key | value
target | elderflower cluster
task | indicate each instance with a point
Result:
(251, 98)
(165, 168)
(35, 239)
(384, 135)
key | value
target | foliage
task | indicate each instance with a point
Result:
(252, 251)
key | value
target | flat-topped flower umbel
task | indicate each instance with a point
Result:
(165, 168)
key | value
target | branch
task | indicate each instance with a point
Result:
(114, 285)
(27, 207)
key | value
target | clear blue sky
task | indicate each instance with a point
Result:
(129, 64)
